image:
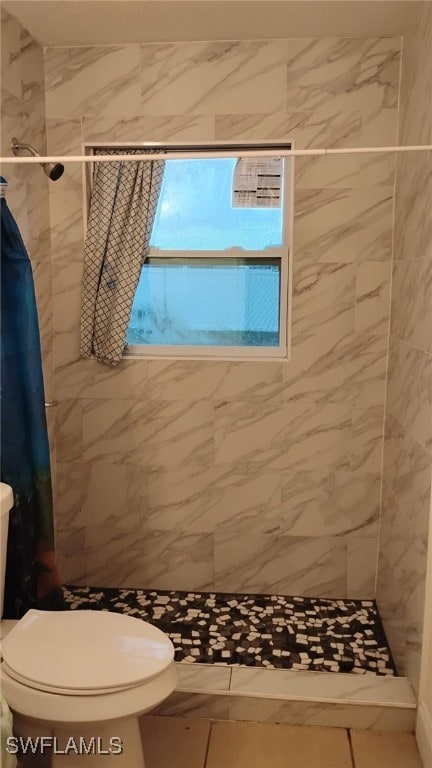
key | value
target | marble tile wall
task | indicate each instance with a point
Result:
(23, 115)
(408, 429)
(223, 475)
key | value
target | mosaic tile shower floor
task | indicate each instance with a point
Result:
(271, 631)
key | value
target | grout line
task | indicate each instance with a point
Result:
(208, 744)
(351, 748)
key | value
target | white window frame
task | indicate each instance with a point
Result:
(284, 253)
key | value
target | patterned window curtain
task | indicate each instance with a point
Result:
(122, 211)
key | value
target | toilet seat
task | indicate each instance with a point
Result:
(84, 653)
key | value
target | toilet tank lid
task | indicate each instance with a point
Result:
(6, 499)
(85, 650)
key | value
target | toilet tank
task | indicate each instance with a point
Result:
(6, 504)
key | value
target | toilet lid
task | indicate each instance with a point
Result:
(84, 652)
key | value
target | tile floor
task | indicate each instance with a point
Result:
(171, 742)
(272, 631)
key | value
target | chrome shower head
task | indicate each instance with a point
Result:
(53, 170)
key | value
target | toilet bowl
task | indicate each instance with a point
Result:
(78, 679)
(81, 679)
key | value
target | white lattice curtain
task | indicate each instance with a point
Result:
(122, 211)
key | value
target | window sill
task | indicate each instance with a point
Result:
(219, 357)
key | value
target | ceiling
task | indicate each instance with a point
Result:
(98, 22)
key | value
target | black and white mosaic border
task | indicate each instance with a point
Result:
(271, 631)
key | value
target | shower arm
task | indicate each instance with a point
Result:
(54, 171)
(19, 146)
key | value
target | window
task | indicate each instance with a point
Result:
(216, 279)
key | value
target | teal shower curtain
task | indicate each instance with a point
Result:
(32, 579)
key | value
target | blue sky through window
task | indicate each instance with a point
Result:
(195, 211)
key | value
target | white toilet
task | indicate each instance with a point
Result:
(82, 679)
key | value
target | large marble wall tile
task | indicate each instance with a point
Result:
(42, 278)
(176, 380)
(72, 482)
(39, 239)
(320, 128)
(64, 137)
(391, 609)
(401, 580)
(182, 498)
(88, 378)
(378, 170)
(329, 369)
(67, 225)
(327, 503)
(379, 128)
(347, 73)
(148, 433)
(115, 495)
(11, 80)
(361, 568)
(179, 433)
(414, 599)
(416, 81)
(407, 469)
(293, 436)
(157, 559)
(346, 171)
(339, 171)
(260, 126)
(179, 379)
(413, 217)
(396, 532)
(372, 309)
(410, 390)
(207, 78)
(413, 649)
(343, 225)
(69, 430)
(70, 555)
(338, 128)
(113, 431)
(323, 298)
(91, 81)
(32, 71)
(148, 128)
(67, 282)
(367, 432)
(286, 565)
(197, 500)
(412, 305)
(67, 251)
(66, 346)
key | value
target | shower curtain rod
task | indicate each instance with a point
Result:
(176, 155)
